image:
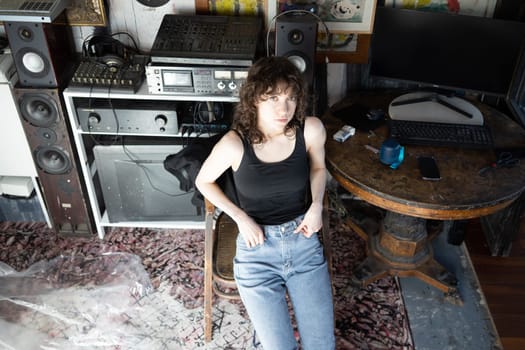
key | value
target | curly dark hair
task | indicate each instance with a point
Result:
(264, 76)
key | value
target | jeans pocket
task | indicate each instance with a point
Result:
(314, 236)
(241, 245)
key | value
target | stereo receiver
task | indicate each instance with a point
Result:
(131, 117)
(199, 80)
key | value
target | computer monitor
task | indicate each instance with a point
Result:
(440, 50)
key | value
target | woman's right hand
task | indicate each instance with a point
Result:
(252, 232)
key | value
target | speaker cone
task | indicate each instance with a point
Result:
(47, 136)
(296, 36)
(25, 33)
(33, 62)
(39, 109)
(298, 61)
(53, 160)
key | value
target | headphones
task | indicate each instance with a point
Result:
(208, 112)
(108, 50)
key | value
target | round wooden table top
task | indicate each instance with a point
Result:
(462, 193)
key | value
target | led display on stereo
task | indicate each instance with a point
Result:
(205, 81)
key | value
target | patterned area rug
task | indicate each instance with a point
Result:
(143, 289)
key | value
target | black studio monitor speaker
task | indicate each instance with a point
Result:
(296, 38)
(43, 53)
(46, 128)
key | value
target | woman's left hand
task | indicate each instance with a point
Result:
(312, 221)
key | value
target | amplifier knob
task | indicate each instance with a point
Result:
(161, 120)
(93, 119)
(232, 85)
(221, 85)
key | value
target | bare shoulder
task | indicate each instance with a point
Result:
(229, 149)
(314, 130)
(230, 140)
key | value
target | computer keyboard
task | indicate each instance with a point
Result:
(441, 134)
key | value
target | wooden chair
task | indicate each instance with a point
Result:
(219, 250)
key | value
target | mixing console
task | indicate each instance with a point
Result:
(94, 74)
(206, 39)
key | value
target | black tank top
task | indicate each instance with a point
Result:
(273, 193)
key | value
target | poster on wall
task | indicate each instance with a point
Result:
(481, 8)
(237, 7)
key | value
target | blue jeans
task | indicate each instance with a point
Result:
(286, 262)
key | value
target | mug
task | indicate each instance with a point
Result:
(391, 153)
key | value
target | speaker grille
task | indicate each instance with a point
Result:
(36, 6)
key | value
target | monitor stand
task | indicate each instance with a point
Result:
(434, 107)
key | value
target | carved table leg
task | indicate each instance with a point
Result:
(402, 247)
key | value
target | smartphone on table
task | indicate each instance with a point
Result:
(428, 168)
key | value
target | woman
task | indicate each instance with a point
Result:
(277, 158)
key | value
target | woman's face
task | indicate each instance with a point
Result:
(275, 109)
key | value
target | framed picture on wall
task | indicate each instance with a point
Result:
(84, 13)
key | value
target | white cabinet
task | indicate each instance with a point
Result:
(15, 155)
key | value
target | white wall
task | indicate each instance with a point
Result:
(140, 21)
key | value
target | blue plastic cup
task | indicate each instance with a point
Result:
(391, 153)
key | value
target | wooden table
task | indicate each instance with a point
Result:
(403, 244)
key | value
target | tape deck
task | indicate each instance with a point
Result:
(218, 81)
